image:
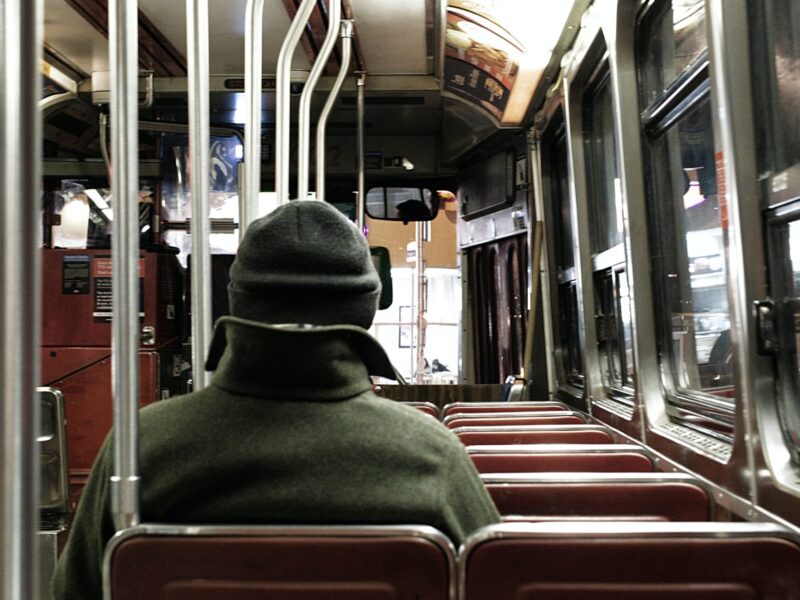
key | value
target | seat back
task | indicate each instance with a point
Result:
(629, 561)
(281, 563)
(534, 434)
(534, 458)
(605, 462)
(668, 496)
(481, 407)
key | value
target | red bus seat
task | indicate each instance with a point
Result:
(603, 462)
(533, 458)
(534, 434)
(481, 407)
(282, 563)
(545, 418)
(630, 561)
(671, 496)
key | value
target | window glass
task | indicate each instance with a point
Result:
(565, 258)
(570, 346)
(776, 46)
(784, 242)
(626, 326)
(176, 199)
(675, 36)
(606, 199)
(792, 332)
(607, 330)
(786, 25)
(694, 251)
(607, 234)
(569, 352)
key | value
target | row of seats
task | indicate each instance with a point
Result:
(588, 519)
(543, 461)
(541, 561)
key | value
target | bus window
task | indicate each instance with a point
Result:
(775, 71)
(688, 223)
(568, 350)
(607, 210)
(176, 200)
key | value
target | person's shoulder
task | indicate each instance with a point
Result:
(177, 412)
(407, 417)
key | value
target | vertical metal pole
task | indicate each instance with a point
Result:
(361, 151)
(20, 54)
(303, 126)
(123, 20)
(420, 302)
(282, 100)
(322, 124)
(253, 37)
(199, 132)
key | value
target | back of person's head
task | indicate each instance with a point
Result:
(305, 262)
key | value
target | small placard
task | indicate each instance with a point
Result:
(75, 274)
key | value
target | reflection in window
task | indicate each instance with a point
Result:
(176, 198)
(775, 46)
(569, 334)
(693, 276)
(565, 307)
(786, 27)
(784, 241)
(687, 219)
(675, 37)
(626, 327)
(565, 258)
(607, 207)
(607, 238)
(607, 328)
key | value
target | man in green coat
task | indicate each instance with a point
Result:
(288, 431)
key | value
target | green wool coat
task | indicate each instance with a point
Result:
(288, 432)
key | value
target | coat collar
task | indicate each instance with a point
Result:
(329, 362)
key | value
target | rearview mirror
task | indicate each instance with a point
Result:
(402, 204)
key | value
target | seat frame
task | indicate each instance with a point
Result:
(516, 415)
(453, 407)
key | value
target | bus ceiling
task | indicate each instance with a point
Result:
(457, 69)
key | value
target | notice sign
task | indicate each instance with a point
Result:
(411, 252)
(101, 274)
(75, 274)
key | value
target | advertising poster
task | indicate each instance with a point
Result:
(482, 59)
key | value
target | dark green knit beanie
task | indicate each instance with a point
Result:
(304, 263)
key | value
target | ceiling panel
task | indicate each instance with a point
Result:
(73, 39)
(392, 36)
(226, 32)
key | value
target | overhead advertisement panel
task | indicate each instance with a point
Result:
(496, 52)
(482, 59)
